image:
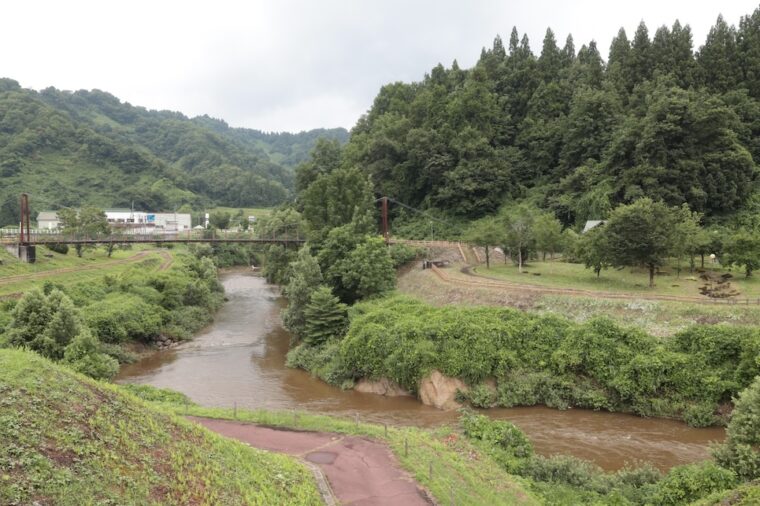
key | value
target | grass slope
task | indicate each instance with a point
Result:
(18, 277)
(65, 439)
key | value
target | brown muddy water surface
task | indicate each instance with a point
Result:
(240, 359)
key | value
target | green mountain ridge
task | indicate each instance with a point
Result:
(87, 147)
(573, 133)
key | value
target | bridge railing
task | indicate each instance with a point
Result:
(43, 236)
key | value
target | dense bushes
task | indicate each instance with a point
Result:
(50, 324)
(741, 451)
(84, 324)
(121, 317)
(538, 359)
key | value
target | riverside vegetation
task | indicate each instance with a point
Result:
(90, 325)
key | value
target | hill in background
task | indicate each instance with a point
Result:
(87, 147)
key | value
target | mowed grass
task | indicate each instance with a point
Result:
(460, 474)
(658, 317)
(558, 274)
(69, 440)
(18, 277)
(258, 212)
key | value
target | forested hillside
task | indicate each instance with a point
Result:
(88, 147)
(572, 132)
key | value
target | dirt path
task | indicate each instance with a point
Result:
(360, 471)
(168, 260)
(477, 280)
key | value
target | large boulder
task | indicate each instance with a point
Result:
(441, 391)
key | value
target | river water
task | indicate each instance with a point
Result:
(240, 359)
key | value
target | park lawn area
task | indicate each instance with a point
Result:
(658, 317)
(68, 440)
(48, 259)
(258, 212)
(558, 274)
(93, 266)
(461, 474)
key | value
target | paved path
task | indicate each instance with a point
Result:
(360, 471)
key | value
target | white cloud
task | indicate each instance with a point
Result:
(293, 64)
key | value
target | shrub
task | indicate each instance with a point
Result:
(567, 470)
(700, 415)
(122, 317)
(83, 356)
(322, 361)
(402, 254)
(496, 434)
(482, 396)
(684, 484)
(741, 451)
(63, 249)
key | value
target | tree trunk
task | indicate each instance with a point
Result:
(691, 264)
(544, 256)
(703, 259)
(651, 275)
(488, 259)
(598, 271)
(519, 260)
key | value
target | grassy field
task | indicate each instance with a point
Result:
(19, 277)
(661, 318)
(629, 280)
(68, 440)
(258, 212)
(461, 474)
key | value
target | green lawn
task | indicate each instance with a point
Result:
(69, 440)
(93, 265)
(559, 274)
(258, 212)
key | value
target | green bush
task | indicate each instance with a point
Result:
(700, 415)
(685, 484)
(63, 249)
(741, 451)
(541, 359)
(402, 254)
(124, 317)
(482, 396)
(84, 356)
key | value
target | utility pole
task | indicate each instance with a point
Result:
(24, 219)
(386, 231)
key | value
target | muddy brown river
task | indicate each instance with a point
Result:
(240, 359)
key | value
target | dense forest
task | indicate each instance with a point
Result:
(88, 147)
(573, 133)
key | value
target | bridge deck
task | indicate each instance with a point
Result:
(41, 241)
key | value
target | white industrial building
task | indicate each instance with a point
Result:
(128, 221)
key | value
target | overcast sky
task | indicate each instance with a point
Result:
(290, 65)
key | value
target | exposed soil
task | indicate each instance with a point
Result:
(360, 471)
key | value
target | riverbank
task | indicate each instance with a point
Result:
(504, 357)
(239, 360)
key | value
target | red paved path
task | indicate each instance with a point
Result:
(360, 471)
